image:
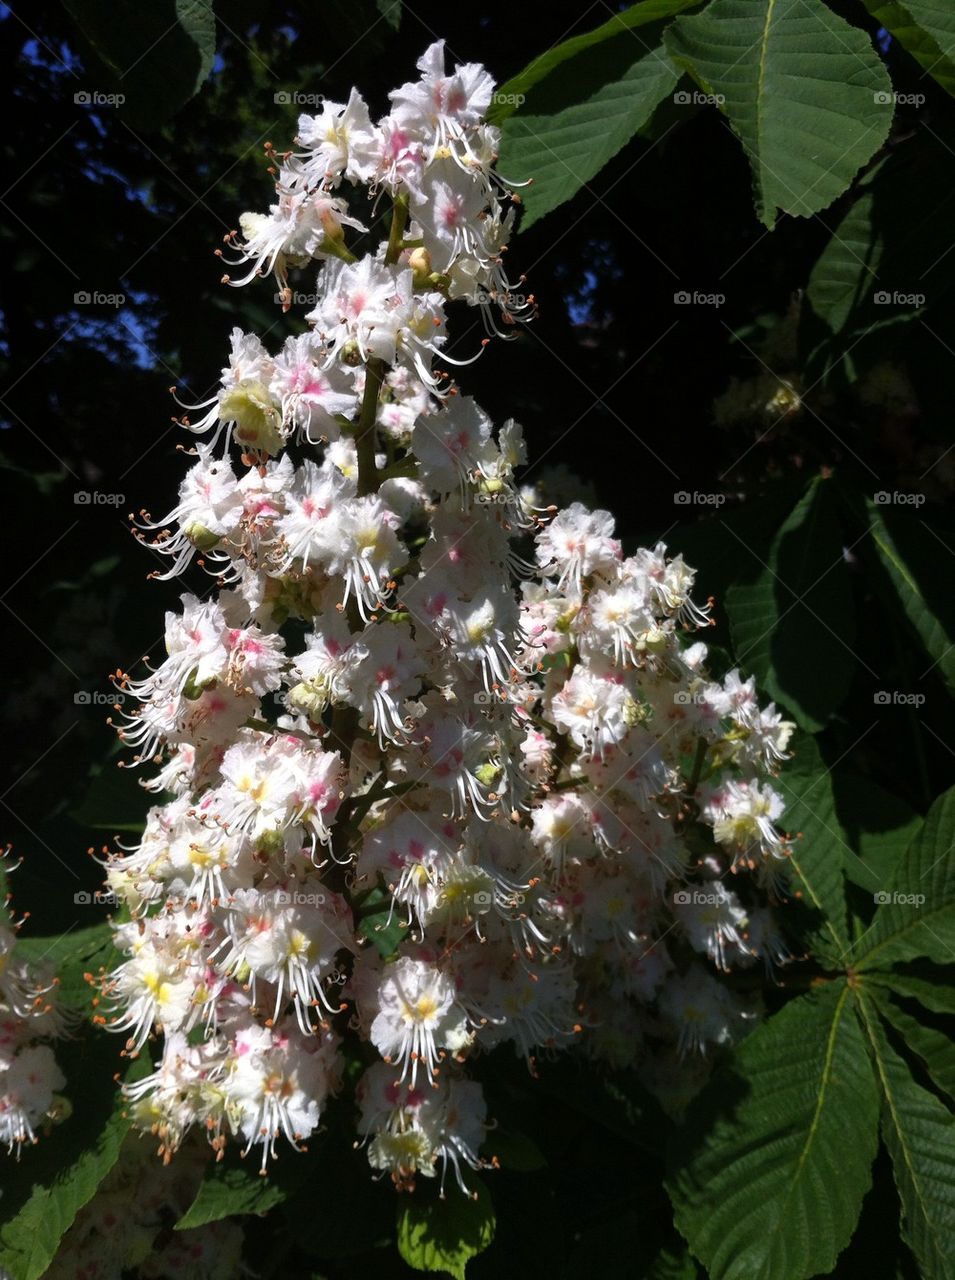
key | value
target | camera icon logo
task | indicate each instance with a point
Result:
(82, 99)
(881, 898)
(82, 898)
(682, 299)
(681, 98)
(682, 897)
(882, 699)
(83, 698)
(682, 498)
(483, 898)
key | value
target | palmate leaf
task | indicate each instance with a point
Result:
(576, 121)
(920, 1135)
(925, 29)
(805, 92)
(917, 916)
(768, 1185)
(800, 603)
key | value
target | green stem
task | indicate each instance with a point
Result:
(368, 478)
(399, 217)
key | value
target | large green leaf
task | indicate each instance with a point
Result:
(441, 1235)
(805, 92)
(821, 850)
(577, 121)
(910, 558)
(512, 93)
(916, 914)
(800, 603)
(155, 55)
(926, 29)
(57, 1178)
(768, 1185)
(920, 1135)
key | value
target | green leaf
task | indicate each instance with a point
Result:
(512, 93)
(925, 29)
(441, 1235)
(805, 92)
(920, 1135)
(910, 559)
(574, 124)
(235, 1188)
(936, 1050)
(772, 1163)
(879, 282)
(374, 925)
(916, 914)
(672, 1265)
(155, 55)
(71, 955)
(821, 850)
(73, 1161)
(800, 603)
